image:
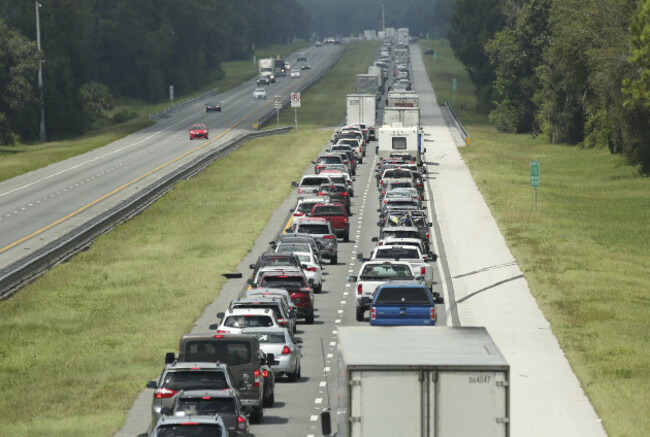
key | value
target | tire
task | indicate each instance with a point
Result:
(268, 403)
(334, 260)
(360, 312)
(360, 160)
(206, 137)
(191, 138)
(256, 415)
(295, 376)
(346, 237)
(309, 318)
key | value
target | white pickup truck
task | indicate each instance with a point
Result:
(419, 262)
(372, 274)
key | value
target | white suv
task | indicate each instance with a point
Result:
(236, 319)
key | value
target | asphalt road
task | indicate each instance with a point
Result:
(43, 205)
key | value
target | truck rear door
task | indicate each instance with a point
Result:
(470, 403)
(374, 412)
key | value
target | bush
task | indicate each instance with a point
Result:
(124, 115)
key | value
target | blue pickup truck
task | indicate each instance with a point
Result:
(404, 304)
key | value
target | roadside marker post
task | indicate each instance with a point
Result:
(534, 181)
(278, 106)
(454, 82)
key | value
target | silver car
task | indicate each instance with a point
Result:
(171, 426)
(283, 346)
(187, 376)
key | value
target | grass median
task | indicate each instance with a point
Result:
(22, 158)
(585, 252)
(80, 342)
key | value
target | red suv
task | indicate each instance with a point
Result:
(300, 291)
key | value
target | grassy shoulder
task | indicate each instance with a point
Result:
(87, 335)
(23, 158)
(585, 253)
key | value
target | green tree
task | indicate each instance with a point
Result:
(473, 24)
(636, 89)
(515, 53)
(19, 61)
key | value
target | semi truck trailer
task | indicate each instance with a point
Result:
(419, 381)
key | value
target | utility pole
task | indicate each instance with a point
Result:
(383, 20)
(41, 133)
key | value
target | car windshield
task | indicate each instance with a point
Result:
(313, 181)
(205, 405)
(274, 307)
(330, 159)
(406, 295)
(224, 351)
(317, 229)
(328, 209)
(386, 271)
(306, 206)
(398, 174)
(248, 321)
(283, 281)
(195, 380)
(397, 252)
(293, 247)
(401, 234)
(189, 430)
(270, 337)
(278, 261)
(198, 126)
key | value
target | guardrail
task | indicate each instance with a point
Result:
(16, 275)
(459, 125)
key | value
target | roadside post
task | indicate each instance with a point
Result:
(454, 82)
(534, 180)
(278, 106)
(171, 93)
(295, 104)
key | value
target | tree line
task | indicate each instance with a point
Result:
(577, 71)
(93, 50)
(345, 17)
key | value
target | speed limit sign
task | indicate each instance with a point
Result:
(295, 100)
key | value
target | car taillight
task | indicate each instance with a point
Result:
(189, 423)
(217, 336)
(164, 393)
(282, 322)
(373, 314)
(359, 289)
(286, 350)
(241, 423)
(312, 269)
(381, 182)
(329, 237)
(422, 270)
(345, 219)
(298, 214)
(427, 235)
(380, 243)
(320, 193)
(344, 194)
(383, 191)
(305, 289)
(432, 313)
(256, 374)
(265, 373)
(222, 331)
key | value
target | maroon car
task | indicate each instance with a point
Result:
(336, 214)
(300, 291)
(198, 131)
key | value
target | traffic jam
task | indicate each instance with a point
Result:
(220, 382)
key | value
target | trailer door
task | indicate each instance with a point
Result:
(385, 403)
(470, 404)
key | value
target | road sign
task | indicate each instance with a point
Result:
(454, 82)
(534, 173)
(295, 100)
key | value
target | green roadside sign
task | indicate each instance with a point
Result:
(534, 174)
(454, 82)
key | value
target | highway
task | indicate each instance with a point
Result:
(44, 205)
(298, 404)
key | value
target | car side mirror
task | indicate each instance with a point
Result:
(152, 384)
(250, 282)
(432, 256)
(374, 239)
(352, 279)
(297, 340)
(311, 281)
(221, 315)
(165, 411)
(293, 312)
(169, 357)
(294, 184)
(252, 266)
(439, 300)
(429, 224)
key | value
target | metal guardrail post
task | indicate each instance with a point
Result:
(459, 125)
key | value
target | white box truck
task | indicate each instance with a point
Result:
(368, 84)
(403, 99)
(265, 68)
(401, 55)
(399, 140)
(361, 109)
(419, 381)
(402, 116)
(403, 36)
